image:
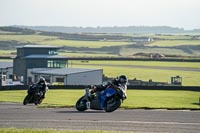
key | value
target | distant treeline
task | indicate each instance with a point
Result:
(116, 29)
(18, 30)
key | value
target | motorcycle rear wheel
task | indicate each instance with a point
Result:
(81, 104)
(112, 104)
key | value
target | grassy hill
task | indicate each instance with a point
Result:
(102, 44)
(114, 45)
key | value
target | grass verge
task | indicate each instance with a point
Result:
(16, 130)
(137, 99)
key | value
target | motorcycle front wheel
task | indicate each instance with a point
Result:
(38, 99)
(26, 99)
(81, 104)
(112, 104)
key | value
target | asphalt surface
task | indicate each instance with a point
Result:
(29, 116)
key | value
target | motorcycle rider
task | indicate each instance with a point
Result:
(42, 86)
(33, 89)
(117, 83)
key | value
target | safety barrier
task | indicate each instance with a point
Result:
(25, 87)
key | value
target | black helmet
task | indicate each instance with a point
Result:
(42, 80)
(123, 79)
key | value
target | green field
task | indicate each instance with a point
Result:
(165, 51)
(176, 36)
(190, 78)
(86, 54)
(52, 40)
(169, 43)
(152, 99)
(162, 75)
(126, 47)
(88, 44)
(7, 52)
(146, 63)
(169, 40)
(26, 38)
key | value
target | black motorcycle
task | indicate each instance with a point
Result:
(108, 100)
(34, 95)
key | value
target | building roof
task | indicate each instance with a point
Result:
(39, 46)
(43, 56)
(61, 71)
(6, 64)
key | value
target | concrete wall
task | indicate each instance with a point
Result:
(85, 78)
(93, 77)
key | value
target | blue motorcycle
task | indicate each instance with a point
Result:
(108, 100)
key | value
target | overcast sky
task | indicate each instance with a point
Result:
(176, 13)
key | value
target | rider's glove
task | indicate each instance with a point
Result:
(94, 89)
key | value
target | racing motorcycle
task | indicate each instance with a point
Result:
(34, 95)
(108, 100)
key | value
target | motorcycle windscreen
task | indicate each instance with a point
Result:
(106, 94)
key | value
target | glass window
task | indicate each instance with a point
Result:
(56, 64)
(10, 76)
(53, 52)
(59, 79)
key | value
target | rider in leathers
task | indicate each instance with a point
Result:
(42, 86)
(118, 83)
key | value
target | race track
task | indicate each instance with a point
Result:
(19, 116)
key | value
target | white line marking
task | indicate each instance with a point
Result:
(106, 121)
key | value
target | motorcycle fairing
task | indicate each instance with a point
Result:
(95, 102)
(108, 92)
